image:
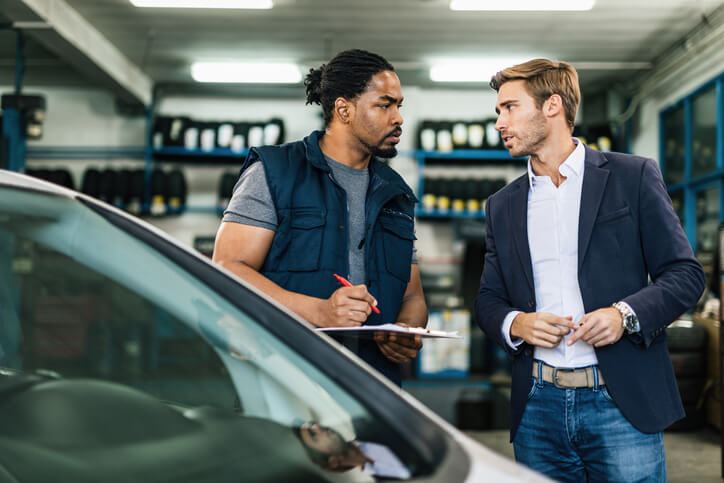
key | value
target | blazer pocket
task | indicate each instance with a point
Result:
(613, 215)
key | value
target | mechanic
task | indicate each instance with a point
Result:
(304, 211)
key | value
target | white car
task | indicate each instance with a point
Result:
(125, 356)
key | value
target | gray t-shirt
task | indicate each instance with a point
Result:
(252, 204)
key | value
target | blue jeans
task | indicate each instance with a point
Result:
(579, 435)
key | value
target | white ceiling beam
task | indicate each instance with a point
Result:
(77, 42)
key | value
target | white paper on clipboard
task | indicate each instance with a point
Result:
(368, 330)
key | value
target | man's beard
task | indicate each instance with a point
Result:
(385, 153)
(535, 136)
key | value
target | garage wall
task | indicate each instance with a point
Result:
(667, 84)
(84, 117)
(79, 119)
(300, 119)
(434, 239)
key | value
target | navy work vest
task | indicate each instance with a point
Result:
(311, 241)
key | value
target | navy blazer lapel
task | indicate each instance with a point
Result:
(518, 208)
(594, 184)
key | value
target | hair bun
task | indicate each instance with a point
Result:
(313, 85)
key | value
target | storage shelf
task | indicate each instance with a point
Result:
(179, 154)
(204, 209)
(182, 210)
(216, 152)
(482, 154)
(423, 213)
(468, 157)
(95, 153)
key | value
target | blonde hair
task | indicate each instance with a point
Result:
(543, 78)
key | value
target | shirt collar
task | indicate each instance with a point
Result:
(573, 165)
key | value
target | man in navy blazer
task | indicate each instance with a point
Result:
(586, 264)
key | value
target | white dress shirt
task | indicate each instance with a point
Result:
(553, 242)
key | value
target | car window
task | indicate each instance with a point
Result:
(83, 300)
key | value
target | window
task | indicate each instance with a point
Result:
(677, 199)
(674, 145)
(691, 133)
(81, 298)
(707, 223)
(703, 132)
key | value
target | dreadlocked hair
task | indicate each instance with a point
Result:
(346, 75)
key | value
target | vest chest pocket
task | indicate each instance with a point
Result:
(306, 227)
(397, 237)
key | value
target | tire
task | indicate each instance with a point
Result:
(694, 419)
(690, 389)
(89, 185)
(684, 335)
(688, 364)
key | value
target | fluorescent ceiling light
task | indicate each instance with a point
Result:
(533, 5)
(256, 4)
(468, 70)
(239, 72)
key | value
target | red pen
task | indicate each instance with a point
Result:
(347, 283)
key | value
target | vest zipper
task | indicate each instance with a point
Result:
(346, 221)
(362, 242)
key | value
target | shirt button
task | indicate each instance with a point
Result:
(341, 227)
(531, 304)
(528, 352)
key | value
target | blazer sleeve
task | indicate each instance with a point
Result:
(677, 279)
(493, 302)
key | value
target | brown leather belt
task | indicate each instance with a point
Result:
(569, 378)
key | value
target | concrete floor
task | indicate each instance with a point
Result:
(691, 456)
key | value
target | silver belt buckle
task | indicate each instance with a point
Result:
(555, 377)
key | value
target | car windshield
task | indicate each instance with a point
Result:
(82, 300)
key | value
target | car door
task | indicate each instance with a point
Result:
(90, 294)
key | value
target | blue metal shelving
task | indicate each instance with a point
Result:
(422, 157)
(423, 213)
(472, 154)
(199, 153)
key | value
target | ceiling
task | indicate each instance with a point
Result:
(614, 44)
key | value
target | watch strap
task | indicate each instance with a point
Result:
(630, 321)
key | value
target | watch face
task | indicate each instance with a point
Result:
(630, 323)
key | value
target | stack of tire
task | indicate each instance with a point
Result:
(60, 177)
(456, 135)
(126, 189)
(687, 347)
(121, 188)
(458, 194)
(599, 136)
(226, 189)
(168, 192)
(181, 131)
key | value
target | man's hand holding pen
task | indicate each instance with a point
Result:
(347, 306)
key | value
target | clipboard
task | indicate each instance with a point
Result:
(369, 330)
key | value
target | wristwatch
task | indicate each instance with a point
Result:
(630, 321)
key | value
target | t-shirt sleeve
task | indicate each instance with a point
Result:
(251, 203)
